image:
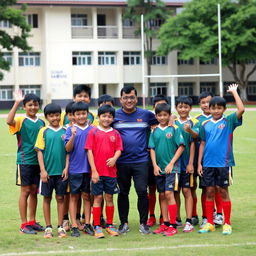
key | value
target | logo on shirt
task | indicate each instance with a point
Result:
(168, 135)
(221, 126)
(112, 138)
(139, 120)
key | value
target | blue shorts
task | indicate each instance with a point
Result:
(79, 182)
(27, 174)
(165, 182)
(105, 184)
(184, 181)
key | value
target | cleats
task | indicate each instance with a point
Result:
(75, 232)
(171, 231)
(28, 229)
(61, 232)
(79, 225)
(66, 225)
(227, 229)
(98, 232)
(88, 229)
(195, 220)
(38, 227)
(208, 227)
(144, 229)
(111, 230)
(204, 221)
(179, 223)
(48, 233)
(151, 221)
(218, 219)
(123, 229)
(161, 229)
(188, 227)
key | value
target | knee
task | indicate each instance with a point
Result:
(210, 193)
(25, 191)
(98, 199)
(60, 199)
(186, 192)
(162, 196)
(142, 193)
(224, 194)
(47, 199)
(109, 198)
(86, 197)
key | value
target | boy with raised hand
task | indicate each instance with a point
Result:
(53, 165)
(166, 146)
(216, 158)
(104, 145)
(26, 129)
(79, 169)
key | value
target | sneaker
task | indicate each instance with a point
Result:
(161, 229)
(88, 229)
(195, 220)
(66, 225)
(188, 227)
(111, 230)
(204, 221)
(208, 227)
(151, 221)
(161, 221)
(98, 232)
(79, 225)
(75, 232)
(123, 229)
(61, 232)
(28, 229)
(102, 222)
(48, 233)
(179, 223)
(227, 229)
(171, 231)
(218, 220)
(144, 229)
(38, 227)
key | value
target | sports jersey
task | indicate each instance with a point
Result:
(51, 142)
(78, 161)
(26, 130)
(133, 129)
(165, 141)
(104, 144)
(218, 137)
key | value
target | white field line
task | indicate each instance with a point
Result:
(128, 249)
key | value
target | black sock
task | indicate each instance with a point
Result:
(65, 217)
(152, 215)
(78, 216)
(83, 216)
(49, 226)
(167, 223)
(189, 220)
(174, 225)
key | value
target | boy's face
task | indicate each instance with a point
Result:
(106, 103)
(183, 110)
(31, 108)
(70, 117)
(159, 102)
(80, 117)
(54, 119)
(204, 104)
(82, 96)
(217, 111)
(163, 118)
(106, 120)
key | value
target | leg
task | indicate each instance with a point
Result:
(97, 209)
(87, 207)
(32, 203)
(164, 206)
(73, 208)
(226, 204)
(188, 202)
(209, 204)
(177, 200)
(194, 196)
(24, 194)
(47, 210)
(60, 208)
(109, 208)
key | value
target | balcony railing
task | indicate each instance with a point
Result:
(107, 31)
(82, 32)
(129, 32)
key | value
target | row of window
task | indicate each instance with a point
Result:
(7, 91)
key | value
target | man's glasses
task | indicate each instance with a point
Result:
(126, 98)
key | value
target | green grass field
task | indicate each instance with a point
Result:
(241, 242)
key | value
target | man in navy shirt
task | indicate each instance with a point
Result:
(133, 124)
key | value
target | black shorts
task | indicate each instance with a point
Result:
(184, 181)
(216, 176)
(151, 175)
(105, 184)
(79, 182)
(165, 182)
(27, 175)
(54, 182)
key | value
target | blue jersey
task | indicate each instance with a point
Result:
(133, 129)
(218, 137)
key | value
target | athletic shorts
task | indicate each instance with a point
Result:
(79, 182)
(27, 175)
(54, 183)
(151, 175)
(184, 181)
(105, 184)
(165, 182)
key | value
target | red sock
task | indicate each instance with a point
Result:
(32, 222)
(209, 211)
(96, 212)
(218, 202)
(227, 211)
(172, 209)
(194, 212)
(23, 225)
(110, 214)
(151, 203)
(203, 200)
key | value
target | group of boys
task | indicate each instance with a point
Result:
(81, 156)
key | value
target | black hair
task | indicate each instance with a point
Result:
(217, 100)
(184, 99)
(78, 106)
(105, 98)
(160, 97)
(51, 108)
(31, 96)
(69, 107)
(106, 109)
(204, 95)
(82, 88)
(127, 89)
(163, 107)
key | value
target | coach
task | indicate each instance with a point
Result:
(133, 124)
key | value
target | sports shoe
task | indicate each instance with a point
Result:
(79, 225)
(218, 220)
(188, 227)
(195, 220)
(179, 223)
(123, 229)
(88, 229)
(161, 229)
(151, 221)
(144, 229)
(227, 229)
(48, 233)
(75, 232)
(208, 227)
(28, 229)
(161, 221)
(102, 222)
(171, 231)
(98, 232)
(66, 225)
(111, 230)
(204, 221)
(61, 232)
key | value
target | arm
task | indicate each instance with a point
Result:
(157, 170)
(200, 157)
(65, 171)
(112, 161)
(70, 144)
(190, 166)
(44, 174)
(178, 153)
(95, 175)
(188, 129)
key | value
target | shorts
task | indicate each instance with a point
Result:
(54, 182)
(216, 176)
(184, 181)
(165, 182)
(105, 184)
(27, 174)
(151, 175)
(79, 182)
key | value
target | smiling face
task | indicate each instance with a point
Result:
(129, 101)
(105, 120)
(204, 105)
(80, 117)
(54, 119)
(163, 118)
(217, 112)
(31, 107)
(183, 110)
(82, 96)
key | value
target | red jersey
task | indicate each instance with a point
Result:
(104, 144)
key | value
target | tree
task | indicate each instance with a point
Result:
(194, 34)
(155, 13)
(14, 17)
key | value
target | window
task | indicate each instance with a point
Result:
(253, 61)
(5, 24)
(185, 88)
(208, 87)
(31, 89)
(106, 58)
(155, 22)
(251, 89)
(8, 57)
(209, 62)
(158, 60)
(78, 20)
(185, 62)
(158, 88)
(32, 20)
(81, 58)
(128, 23)
(6, 92)
(132, 58)
(29, 59)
